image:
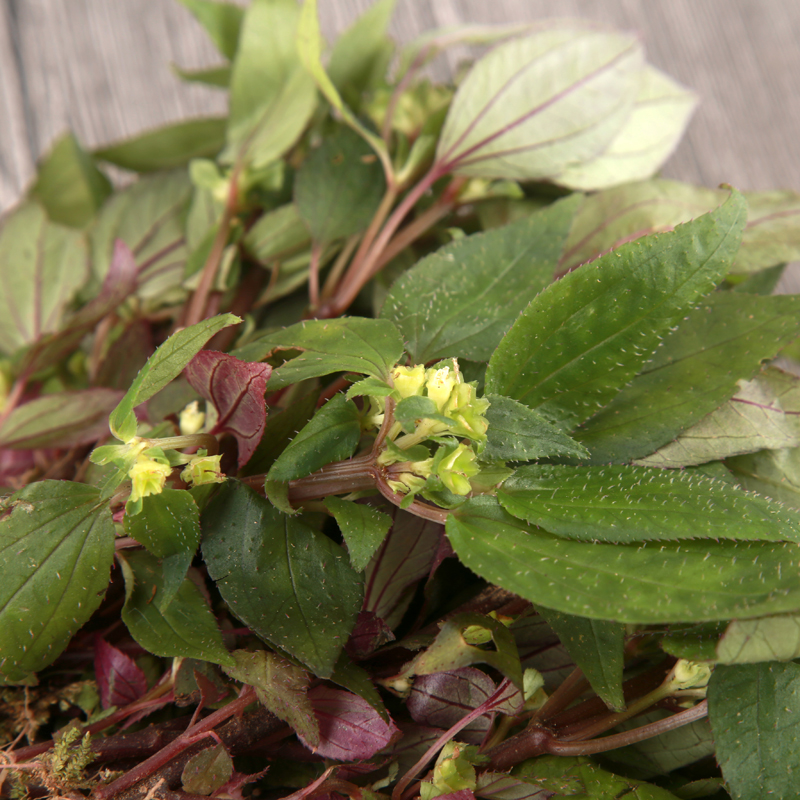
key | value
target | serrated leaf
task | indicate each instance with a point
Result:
(207, 771)
(281, 687)
(60, 540)
(184, 629)
(63, 419)
(339, 186)
(670, 582)
(461, 300)
(69, 185)
(361, 54)
(749, 641)
(755, 716)
(277, 234)
(597, 647)
(773, 473)
(272, 96)
(236, 390)
(119, 679)
(167, 147)
(519, 433)
(149, 217)
(347, 344)
(534, 105)
(628, 504)
(564, 776)
(651, 132)
(332, 434)
(764, 414)
(363, 528)
(162, 367)
(690, 375)
(584, 337)
(42, 266)
(222, 21)
(350, 729)
(291, 585)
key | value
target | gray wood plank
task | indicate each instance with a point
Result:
(102, 68)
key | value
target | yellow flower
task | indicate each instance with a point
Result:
(148, 477)
(191, 418)
(203, 469)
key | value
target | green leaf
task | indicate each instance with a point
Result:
(281, 687)
(748, 641)
(411, 410)
(694, 642)
(339, 186)
(69, 185)
(310, 45)
(363, 528)
(773, 473)
(63, 419)
(149, 217)
(451, 650)
(672, 582)
(629, 504)
(162, 367)
(597, 647)
(648, 136)
(60, 540)
(277, 234)
(562, 777)
(755, 715)
(184, 629)
(168, 147)
(291, 585)
(763, 414)
(332, 434)
(583, 338)
(690, 374)
(211, 76)
(357, 680)
(771, 235)
(361, 54)
(461, 300)
(519, 433)
(222, 21)
(42, 266)
(272, 96)
(207, 771)
(346, 344)
(535, 105)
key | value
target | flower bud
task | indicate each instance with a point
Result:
(408, 381)
(191, 419)
(456, 468)
(441, 382)
(203, 469)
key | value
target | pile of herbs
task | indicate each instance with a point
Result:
(392, 439)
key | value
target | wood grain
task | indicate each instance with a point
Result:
(103, 69)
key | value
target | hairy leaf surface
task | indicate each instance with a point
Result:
(628, 504)
(291, 585)
(666, 582)
(60, 540)
(363, 528)
(461, 300)
(584, 337)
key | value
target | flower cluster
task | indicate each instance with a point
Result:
(435, 406)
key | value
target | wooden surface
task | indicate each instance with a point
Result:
(102, 68)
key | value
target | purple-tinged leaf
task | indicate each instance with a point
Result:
(59, 420)
(540, 649)
(281, 687)
(350, 729)
(126, 355)
(119, 679)
(404, 557)
(236, 390)
(535, 105)
(502, 786)
(444, 698)
(414, 742)
(368, 635)
(118, 284)
(207, 771)
(461, 794)
(198, 682)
